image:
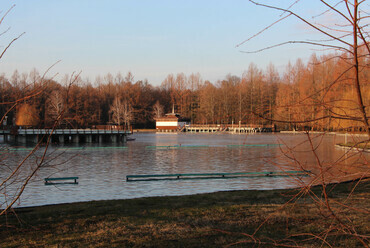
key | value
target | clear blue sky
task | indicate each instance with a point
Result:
(149, 38)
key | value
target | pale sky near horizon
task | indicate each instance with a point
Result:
(149, 38)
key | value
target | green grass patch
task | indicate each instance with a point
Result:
(203, 220)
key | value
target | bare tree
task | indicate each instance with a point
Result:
(16, 176)
(116, 111)
(349, 38)
(122, 112)
(157, 110)
(55, 104)
(208, 103)
(19, 175)
(128, 114)
(169, 85)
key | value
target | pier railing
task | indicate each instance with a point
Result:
(231, 125)
(241, 128)
(87, 135)
(71, 131)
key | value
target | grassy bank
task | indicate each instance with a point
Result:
(365, 145)
(204, 220)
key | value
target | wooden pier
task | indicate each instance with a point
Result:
(61, 136)
(212, 128)
(216, 175)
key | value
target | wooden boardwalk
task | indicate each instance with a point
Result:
(62, 136)
(228, 128)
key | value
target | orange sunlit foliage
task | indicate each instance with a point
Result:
(27, 115)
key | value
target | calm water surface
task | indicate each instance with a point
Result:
(102, 170)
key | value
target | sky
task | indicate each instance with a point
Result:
(151, 39)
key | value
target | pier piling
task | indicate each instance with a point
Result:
(62, 136)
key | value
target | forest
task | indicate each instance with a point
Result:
(317, 95)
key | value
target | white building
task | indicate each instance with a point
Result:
(171, 121)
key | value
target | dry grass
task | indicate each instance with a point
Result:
(361, 145)
(206, 220)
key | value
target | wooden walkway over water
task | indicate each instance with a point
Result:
(212, 128)
(62, 136)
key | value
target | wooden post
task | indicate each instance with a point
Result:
(75, 138)
(61, 139)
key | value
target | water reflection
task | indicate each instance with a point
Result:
(102, 170)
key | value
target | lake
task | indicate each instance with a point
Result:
(102, 170)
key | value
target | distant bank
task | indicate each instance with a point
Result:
(144, 130)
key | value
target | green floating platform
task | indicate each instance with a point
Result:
(60, 180)
(93, 148)
(14, 149)
(177, 147)
(206, 146)
(216, 175)
(254, 145)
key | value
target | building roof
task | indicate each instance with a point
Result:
(168, 118)
(172, 117)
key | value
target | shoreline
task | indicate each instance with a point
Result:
(274, 132)
(190, 195)
(352, 148)
(202, 220)
(322, 132)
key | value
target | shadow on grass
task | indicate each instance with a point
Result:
(204, 220)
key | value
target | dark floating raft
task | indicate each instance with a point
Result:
(60, 180)
(130, 178)
(207, 146)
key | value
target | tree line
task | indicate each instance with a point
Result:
(305, 95)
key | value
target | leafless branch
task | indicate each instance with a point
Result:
(2, 54)
(297, 42)
(263, 30)
(6, 13)
(303, 20)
